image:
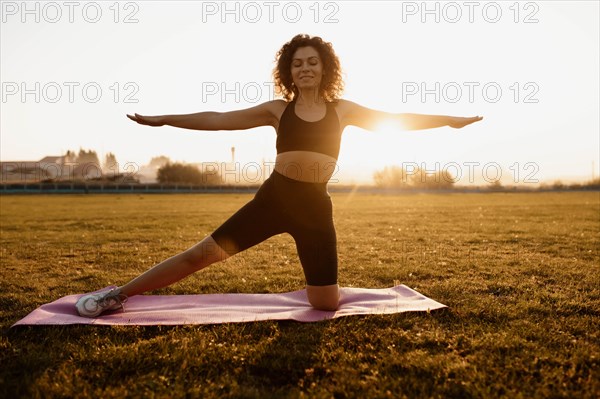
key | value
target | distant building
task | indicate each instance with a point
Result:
(49, 168)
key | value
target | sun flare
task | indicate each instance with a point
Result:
(389, 127)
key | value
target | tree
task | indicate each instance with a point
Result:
(593, 184)
(398, 177)
(436, 180)
(180, 173)
(391, 177)
(495, 186)
(110, 164)
(159, 161)
(87, 165)
(70, 157)
(87, 157)
(558, 185)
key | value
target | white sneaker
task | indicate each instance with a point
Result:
(91, 305)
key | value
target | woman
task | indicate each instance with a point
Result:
(294, 199)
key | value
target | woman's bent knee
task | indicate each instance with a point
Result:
(323, 297)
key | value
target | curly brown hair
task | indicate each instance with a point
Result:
(331, 86)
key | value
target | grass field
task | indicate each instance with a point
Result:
(519, 272)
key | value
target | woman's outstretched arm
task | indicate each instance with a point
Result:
(370, 119)
(420, 121)
(265, 114)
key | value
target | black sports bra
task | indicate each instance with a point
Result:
(296, 134)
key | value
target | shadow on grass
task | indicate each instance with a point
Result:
(31, 355)
(31, 352)
(288, 358)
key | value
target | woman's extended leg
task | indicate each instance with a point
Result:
(256, 221)
(176, 267)
(251, 224)
(165, 273)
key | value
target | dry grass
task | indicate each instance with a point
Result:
(519, 272)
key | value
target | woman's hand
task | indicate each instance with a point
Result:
(457, 122)
(147, 120)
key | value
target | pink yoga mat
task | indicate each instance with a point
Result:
(145, 310)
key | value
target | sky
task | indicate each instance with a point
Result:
(70, 71)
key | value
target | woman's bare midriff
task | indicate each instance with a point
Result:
(306, 166)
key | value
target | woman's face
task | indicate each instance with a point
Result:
(307, 68)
